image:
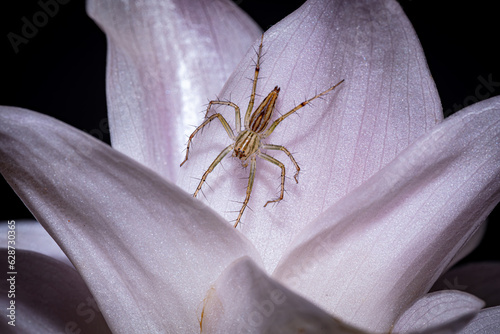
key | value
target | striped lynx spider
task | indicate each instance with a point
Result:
(248, 143)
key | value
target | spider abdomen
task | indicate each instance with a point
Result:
(261, 116)
(246, 144)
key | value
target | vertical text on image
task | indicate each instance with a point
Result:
(11, 272)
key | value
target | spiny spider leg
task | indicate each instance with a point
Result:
(282, 148)
(208, 120)
(280, 119)
(251, 177)
(254, 86)
(280, 165)
(212, 166)
(237, 116)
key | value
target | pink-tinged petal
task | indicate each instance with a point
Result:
(245, 300)
(486, 322)
(388, 241)
(436, 309)
(165, 59)
(49, 297)
(471, 244)
(30, 235)
(147, 250)
(480, 279)
(388, 100)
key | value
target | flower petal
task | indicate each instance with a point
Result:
(388, 241)
(165, 59)
(438, 308)
(30, 235)
(480, 279)
(147, 250)
(388, 100)
(49, 297)
(487, 321)
(471, 244)
(245, 300)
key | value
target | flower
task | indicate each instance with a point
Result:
(389, 196)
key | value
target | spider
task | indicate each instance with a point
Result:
(248, 142)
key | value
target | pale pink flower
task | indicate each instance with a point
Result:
(390, 194)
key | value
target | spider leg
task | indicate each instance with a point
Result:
(254, 86)
(208, 120)
(282, 148)
(212, 166)
(280, 165)
(237, 116)
(280, 119)
(251, 177)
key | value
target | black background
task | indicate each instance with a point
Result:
(61, 70)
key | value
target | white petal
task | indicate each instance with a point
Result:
(388, 100)
(165, 59)
(30, 235)
(245, 300)
(471, 244)
(147, 250)
(436, 309)
(486, 322)
(49, 297)
(389, 240)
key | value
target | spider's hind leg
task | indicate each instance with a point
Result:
(207, 121)
(306, 102)
(254, 85)
(237, 117)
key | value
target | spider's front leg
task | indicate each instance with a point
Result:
(212, 166)
(251, 177)
(208, 120)
(287, 152)
(280, 165)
